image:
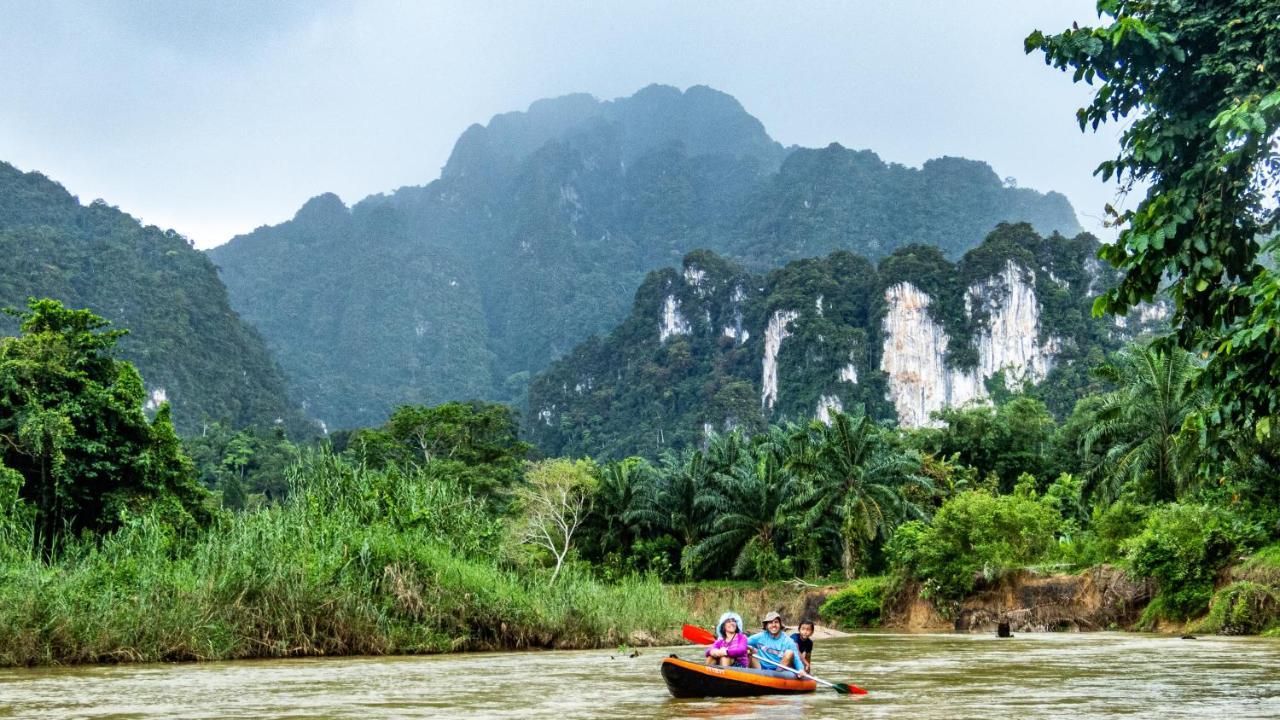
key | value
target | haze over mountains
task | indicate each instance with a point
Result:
(543, 224)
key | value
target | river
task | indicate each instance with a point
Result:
(1063, 675)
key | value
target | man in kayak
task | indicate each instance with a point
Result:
(775, 645)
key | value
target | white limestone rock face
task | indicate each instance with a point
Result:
(696, 278)
(155, 399)
(1011, 339)
(849, 374)
(915, 347)
(673, 323)
(736, 331)
(827, 405)
(774, 334)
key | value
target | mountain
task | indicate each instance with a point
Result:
(713, 346)
(190, 346)
(544, 222)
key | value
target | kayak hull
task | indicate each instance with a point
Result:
(687, 679)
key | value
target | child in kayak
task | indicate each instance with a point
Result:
(730, 648)
(804, 641)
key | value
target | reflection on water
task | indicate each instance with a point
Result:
(919, 676)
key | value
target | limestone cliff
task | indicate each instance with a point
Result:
(711, 347)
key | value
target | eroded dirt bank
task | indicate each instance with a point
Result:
(1101, 598)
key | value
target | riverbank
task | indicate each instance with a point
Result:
(373, 562)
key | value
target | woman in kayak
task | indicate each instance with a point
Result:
(730, 648)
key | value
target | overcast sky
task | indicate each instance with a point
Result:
(215, 118)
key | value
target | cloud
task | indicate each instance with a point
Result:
(214, 118)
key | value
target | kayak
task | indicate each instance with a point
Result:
(687, 679)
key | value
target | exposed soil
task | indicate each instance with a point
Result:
(1100, 598)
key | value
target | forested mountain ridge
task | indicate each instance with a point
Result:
(544, 222)
(190, 346)
(714, 347)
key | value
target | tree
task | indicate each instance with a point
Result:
(1201, 82)
(1007, 440)
(753, 506)
(71, 423)
(552, 503)
(618, 495)
(670, 501)
(1137, 427)
(855, 479)
(480, 439)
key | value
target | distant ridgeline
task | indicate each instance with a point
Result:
(544, 222)
(190, 347)
(713, 346)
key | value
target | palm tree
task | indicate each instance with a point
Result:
(618, 497)
(754, 507)
(670, 498)
(854, 481)
(1139, 424)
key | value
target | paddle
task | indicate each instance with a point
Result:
(702, 636)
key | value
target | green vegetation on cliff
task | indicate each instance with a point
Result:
(694, 355)
(193, 350)
(543, 224)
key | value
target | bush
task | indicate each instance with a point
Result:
(975, 534)
(354, 561)
(858, 605)
(1242, 608)
(1183, 547)
(1107, 532)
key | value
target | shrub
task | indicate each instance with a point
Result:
(975, 534)
(858, 605)
(1108, 529)
(1183, 547)
(1242, 608)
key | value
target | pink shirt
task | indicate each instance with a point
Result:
(736, 649)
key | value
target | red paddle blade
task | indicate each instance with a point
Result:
(848, 689)
(697, 635)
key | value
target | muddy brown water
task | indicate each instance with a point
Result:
(1065, 675)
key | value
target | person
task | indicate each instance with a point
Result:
(730, 648)
(804, 641)
(772, 644)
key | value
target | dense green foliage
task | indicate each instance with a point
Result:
(427, 533)
(795, 500)
(73, 434)
(542, 225)
(479, 443)
(1184, 546)
(246, 467)
(974, 535)
(1197, 85)
(191, 348)
(637, 391)
(356, 561)
(860, 605)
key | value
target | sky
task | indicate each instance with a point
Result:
(214, 118)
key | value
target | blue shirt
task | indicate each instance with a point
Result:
(773, 648)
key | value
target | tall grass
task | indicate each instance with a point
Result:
(357, 561)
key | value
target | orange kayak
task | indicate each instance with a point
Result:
(687, 679)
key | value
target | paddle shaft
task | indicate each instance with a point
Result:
(842, 688)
